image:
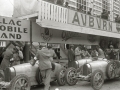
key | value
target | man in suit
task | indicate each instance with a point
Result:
(45, 66)
(71, 56)
(8, 56)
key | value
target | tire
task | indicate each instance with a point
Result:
(20, 82)
(38, 76)
(2, 77)
(69, 74)
(61, 77)
(97, 84)
(111, 69)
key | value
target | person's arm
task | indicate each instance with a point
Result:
(88, 54)
(20, 54)
(36, 56)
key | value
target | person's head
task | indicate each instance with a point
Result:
(15, 50)
(42, 46)
(66, 4)
(49, 46)
(97, 47)
(71, 46)
(111, 47)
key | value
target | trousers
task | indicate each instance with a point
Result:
(46, 74)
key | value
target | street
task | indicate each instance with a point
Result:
(83, 85)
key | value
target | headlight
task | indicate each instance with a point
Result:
(9, 74)
(77, 64)
(87, 69)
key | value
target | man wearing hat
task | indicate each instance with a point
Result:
(71, 56)
(52, 52)
(17, 56)
(7, 57)
(45, 66)
(112, 53)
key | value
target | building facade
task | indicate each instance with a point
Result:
(113, 6)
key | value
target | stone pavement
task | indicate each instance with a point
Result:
(84, 85)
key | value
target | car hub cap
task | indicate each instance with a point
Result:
(21, 84)
(98, 79)
(71, 76)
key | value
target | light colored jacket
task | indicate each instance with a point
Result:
(43, 56)
(101, 53)
(53, 54)
(77, 54)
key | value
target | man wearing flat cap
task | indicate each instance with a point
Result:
(45, 66)
(71, 56)
(112, 53)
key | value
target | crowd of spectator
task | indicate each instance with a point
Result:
(81, 52)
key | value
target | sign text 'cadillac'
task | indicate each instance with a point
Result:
(14, 29)
(89, 21)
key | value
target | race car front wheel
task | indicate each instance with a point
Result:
(70, 76)
(111, 69)
(20, 82)
(97, 80)
(61, 76)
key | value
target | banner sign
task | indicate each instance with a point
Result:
(14, 29)
(89, 21)
(40, 34)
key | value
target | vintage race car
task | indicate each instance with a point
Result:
(93, 71)
(23, 76)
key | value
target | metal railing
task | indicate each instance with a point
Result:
(49, 11)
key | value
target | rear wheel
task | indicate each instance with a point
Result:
(97, 80)
(2, 78)
(69, 76)
(61, 77)
(38, 76)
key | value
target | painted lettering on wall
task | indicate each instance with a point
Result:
(89, 21)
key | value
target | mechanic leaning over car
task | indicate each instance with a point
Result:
(17, 56)
(100, 52)
(45, 66)
(8, 56)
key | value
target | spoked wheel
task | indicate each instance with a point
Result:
(61, 77)
(20, 82)
(70, 76)
(111, 70)
(97, 80)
